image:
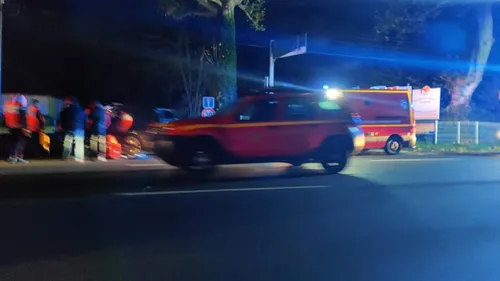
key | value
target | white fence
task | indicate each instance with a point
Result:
(462, 132)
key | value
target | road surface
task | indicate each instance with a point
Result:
(400, 218)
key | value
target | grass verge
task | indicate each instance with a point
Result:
(458, 148)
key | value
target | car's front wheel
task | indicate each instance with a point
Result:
(201, 161)
(334, 155)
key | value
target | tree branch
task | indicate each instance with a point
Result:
(209, 5)
(174, 9)
(486, 40)
(255, 12)
(183, 71)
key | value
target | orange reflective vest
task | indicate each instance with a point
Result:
(11, 114)
(33, 119)
(125, 123)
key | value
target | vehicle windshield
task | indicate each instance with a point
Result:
(228, 109)
(163, 116)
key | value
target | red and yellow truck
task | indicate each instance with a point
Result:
(387, 116)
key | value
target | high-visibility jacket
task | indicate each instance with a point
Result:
(34, 119)
(12, 114)
(125, 122)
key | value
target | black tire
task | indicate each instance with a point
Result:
(393, 145)
(339, 163)
(201, 160)
(132, 145)
(334, 155)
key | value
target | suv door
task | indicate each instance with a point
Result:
(255, 129)
(300, 116)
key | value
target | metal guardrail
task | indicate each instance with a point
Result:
(463, 132)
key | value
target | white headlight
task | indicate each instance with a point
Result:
(332, 94)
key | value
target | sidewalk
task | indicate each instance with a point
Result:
(49, 167)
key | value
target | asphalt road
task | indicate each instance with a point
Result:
(386, 218)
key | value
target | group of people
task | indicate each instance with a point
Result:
(74, 121)
(25, 123)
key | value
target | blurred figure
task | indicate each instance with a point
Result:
(97, 118)
(15, 119)
(121, 120)
(35, 123)
(72, 123)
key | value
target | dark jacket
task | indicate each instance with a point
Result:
(22, 117)
(98, 118)
(72, 118)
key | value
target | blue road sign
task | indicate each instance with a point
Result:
(208, 102)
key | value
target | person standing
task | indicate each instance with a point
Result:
(35, 123)
(72, 122)
(98, 125)
(15, 119)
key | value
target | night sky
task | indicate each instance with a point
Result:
(92, 49)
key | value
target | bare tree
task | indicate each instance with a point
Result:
(254, 11)
(395, 24)
(192, 60)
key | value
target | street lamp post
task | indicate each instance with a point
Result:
(2, 2)
(299, 48)
(272, 60)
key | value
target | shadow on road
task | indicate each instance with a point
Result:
(92, 183)
(100, 227)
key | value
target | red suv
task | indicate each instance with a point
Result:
(268, 126)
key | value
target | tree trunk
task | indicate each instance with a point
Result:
(228, 61)
(463, 88)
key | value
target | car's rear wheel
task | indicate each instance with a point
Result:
(393, 145)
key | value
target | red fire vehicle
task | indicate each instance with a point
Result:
(386, 114)
(271, 125)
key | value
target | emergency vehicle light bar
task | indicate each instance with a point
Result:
(280, 90)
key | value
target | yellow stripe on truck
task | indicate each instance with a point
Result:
(247, 125)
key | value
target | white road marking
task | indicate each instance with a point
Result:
(218, 190)
(146, 165)
(412, 160)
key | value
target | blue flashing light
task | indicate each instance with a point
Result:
(326, 87)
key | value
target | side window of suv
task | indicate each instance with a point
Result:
(259, 111)
(300, 108)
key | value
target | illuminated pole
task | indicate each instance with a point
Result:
(272, 60)
(300, 49)
(2, 2)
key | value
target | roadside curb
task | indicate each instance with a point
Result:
(484, 154)
(472, 153)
